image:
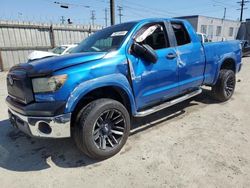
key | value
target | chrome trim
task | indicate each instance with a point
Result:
(17, 99)
(168, 104)
(60, 125)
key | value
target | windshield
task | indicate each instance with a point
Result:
(105, 40)
(58, 50)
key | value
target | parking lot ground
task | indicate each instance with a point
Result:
(198, 143)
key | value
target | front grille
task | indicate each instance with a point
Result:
(20, 87)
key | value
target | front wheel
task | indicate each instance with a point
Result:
(225, 85)
(102, 128)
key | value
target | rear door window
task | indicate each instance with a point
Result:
(181, 34)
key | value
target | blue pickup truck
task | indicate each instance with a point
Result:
(131, 69)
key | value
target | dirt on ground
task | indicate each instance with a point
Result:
(198, 143)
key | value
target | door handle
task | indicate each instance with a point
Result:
(171, 56)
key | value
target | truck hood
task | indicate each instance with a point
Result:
(56, 63)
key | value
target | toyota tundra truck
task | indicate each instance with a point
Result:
(128, 70)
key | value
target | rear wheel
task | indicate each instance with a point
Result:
(224, 88)
(102, 128)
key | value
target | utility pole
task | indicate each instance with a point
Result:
(62, 20)
(225, 12)
(106, 17)
(93, 18)
(120, 13)
(112, 12)
(242, 5)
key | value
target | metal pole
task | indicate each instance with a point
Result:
(62, 19)
(93, 17)
(112, 12)
(106, 17)
(1, 62)
(225, 12)
(222, 30)
(242, 7)
(241, 11)
(120, 13)
(52, 37)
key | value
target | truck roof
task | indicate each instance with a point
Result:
(153, 20)
(158, 19)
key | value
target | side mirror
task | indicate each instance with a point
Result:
(145, 52)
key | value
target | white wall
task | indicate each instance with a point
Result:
(213, 23)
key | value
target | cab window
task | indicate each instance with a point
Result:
(153, 35)
(181, 34)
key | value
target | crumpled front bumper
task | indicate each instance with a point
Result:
(46, 120)
(46, 127)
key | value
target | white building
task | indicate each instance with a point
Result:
(216, 29)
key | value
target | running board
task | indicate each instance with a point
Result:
(168, 104)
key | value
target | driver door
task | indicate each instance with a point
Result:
(154, 82)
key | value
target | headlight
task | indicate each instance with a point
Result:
(51, 84)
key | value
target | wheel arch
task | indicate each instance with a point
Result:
(228, 63)
(114, 87)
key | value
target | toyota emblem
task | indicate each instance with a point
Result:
(10, 79)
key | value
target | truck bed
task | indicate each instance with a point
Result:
(216, 53)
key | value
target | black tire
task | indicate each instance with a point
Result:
(76, 132)
(102, 128)
(225, 85)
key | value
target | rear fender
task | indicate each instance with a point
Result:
(224, 58)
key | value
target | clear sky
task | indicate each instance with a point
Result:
(80, 11)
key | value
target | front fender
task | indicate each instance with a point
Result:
(117, 80)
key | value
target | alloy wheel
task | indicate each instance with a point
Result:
(109, 129)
